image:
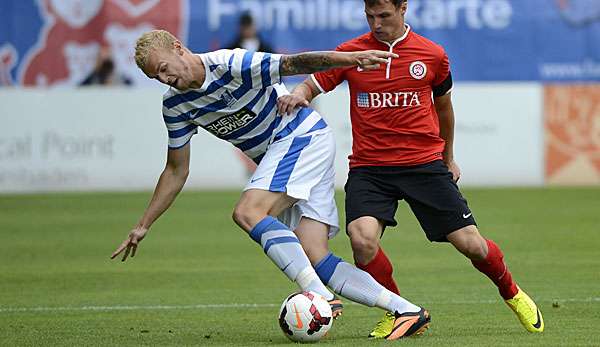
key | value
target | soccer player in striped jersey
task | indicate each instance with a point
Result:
(288, 205)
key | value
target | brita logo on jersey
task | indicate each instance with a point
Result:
(382, 100)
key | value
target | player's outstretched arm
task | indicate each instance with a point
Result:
(310, 62)
(169, 184)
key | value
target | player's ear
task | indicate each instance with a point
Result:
(403, 7)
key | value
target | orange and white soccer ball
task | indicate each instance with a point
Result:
(305, 317)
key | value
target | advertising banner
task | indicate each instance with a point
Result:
(115, 139)
(572, 134)
(98, 139)
(56, 42)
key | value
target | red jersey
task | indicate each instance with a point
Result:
(394, 122)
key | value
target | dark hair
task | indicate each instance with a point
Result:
(246, 19)
(394, 2)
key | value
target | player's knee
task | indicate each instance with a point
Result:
(470, 243)
(363, 243)
(245, 217)
(238, 216)
(363, 240)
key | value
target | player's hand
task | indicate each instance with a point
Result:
(131, 243)
(286, 104)
(370, 60)
(454, 169)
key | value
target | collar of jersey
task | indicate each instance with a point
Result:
(400, 39)
(206, 82)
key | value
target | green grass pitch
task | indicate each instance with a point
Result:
(198, 280)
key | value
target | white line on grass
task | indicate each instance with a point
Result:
(226, 306)
(133, 308)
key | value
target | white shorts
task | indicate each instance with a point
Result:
(302, 167)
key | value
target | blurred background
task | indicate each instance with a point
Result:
(77, 114)
(82, 143)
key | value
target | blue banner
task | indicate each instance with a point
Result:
(55, 42)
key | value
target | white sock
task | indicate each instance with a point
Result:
(357, 285)
(283, 247)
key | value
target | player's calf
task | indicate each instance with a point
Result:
(469, 242)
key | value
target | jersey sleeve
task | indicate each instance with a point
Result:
(179, 127)
(442, 83)
(327, 80)
(257, 70)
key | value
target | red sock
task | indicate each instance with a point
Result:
(493, 266)
(381, 270)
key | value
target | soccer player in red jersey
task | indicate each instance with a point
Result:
(403, 133)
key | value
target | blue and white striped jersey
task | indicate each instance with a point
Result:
(237, 103)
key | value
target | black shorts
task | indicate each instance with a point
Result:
(428, 189)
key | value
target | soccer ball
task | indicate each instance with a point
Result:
(305, 317)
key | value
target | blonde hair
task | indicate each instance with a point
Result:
(149, 42)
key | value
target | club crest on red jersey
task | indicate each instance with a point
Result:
(418, 70)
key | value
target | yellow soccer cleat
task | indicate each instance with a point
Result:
(384, 327)
(527, 312)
